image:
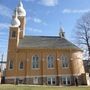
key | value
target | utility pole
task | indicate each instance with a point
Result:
(2, 56)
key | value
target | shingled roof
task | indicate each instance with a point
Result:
(52, 42)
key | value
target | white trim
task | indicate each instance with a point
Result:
(42, 75)
(38, 76)
(65, 67)
(33, 76)
(14, 77)
(76, 74)
(49, 75)
(51, 68)
(10, 77)
(35, 68)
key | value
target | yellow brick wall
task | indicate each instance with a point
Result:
(25, 55)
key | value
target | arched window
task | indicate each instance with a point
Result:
(65, 62)
(50, 61)
(11, 65)
(35, 61)
(13, 34)
(21, 66)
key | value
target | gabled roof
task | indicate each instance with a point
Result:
(51, 42)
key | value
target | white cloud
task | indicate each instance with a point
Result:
(4, 26)
(49, 2)
(45, 2)
(5, 11)
(29, 0)
(34, 30)
(36, 20)
(75, 10)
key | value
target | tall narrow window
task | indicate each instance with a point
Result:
(50, 61)
(11, 65)
(21, 66)
(35, 61)
(65, 62)
(13, 34)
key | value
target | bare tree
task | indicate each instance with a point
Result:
(83, 32)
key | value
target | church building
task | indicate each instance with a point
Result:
(41, 60)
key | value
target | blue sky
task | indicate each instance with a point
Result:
(44, 17)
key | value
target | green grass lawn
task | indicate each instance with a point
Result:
(28, 87)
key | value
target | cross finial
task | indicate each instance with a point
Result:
(20, 3)
(15, 12)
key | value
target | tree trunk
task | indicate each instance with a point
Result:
(89, 52)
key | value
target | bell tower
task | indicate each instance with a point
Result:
(62, 33)
(14, 32)
(22, 17)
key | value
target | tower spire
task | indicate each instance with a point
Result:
(22, 18)
(20, 3)
(20, 9)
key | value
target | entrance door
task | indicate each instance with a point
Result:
(35, 80)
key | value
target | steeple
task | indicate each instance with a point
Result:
(20, 3)
(22, 17)
(62, 33)
(14, 31)
(20, 9)
(15, 21)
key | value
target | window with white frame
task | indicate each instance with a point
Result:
(65, 62)
(21, 65)
(66, 80)
(50, 62)
(51, 80)
(11, 65)
(35, 61)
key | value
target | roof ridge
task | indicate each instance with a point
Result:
(41, 36)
